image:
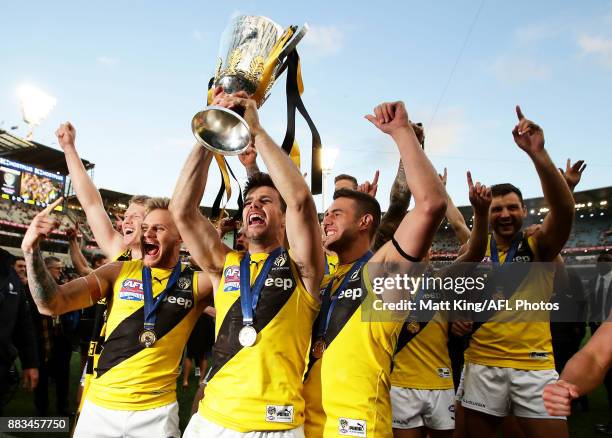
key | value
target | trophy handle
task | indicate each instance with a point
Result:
(293, 42)
(282, 56)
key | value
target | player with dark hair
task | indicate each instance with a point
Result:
(266, 299)
(508, 362)
(348, 378)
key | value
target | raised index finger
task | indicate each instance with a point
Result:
(469, 179)
(519, 113)
(375, 180)
(49, 208)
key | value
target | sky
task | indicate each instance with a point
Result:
(131, 75)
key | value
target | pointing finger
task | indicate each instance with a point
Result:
(375, 180)
(49, 208)
(469, 180)
(519, 113)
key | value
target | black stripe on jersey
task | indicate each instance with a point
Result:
(342, 312)
(271, 301)
(97, 333)
(123, 342)
(511, 275)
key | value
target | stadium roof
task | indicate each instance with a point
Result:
(593, 196)
(115, 197)
(35, 154)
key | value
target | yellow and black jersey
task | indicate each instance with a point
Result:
(127, 375)
(421, 360)
(347, 389)
(502, 341)
(331, 263)
(259, 387)
(98, 331)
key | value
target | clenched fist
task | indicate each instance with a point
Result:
(66, 135)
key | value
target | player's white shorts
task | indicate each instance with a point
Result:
(501, 391)
(200, 427)
(98, 422)
(432, 408)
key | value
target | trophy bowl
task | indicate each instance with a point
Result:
(221, 130)
(250, 59)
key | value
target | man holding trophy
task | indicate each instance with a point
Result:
(267, 298)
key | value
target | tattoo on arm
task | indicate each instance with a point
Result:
(398, 205)
(42, 286)
(400, 194)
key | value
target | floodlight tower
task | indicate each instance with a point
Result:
(35, 106)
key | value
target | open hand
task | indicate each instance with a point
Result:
(573, 172)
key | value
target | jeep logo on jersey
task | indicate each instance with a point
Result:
(354, 294)
(131, 290)
(184, 283)
(523, 259)
(181, 301)
(285, 283)
(280, 260)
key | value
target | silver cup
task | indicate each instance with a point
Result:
(245, 51)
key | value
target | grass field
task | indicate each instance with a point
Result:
(22, 405)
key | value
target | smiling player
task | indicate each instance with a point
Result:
(155, 303)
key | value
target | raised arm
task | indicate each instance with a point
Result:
(454, 216)
(109, 240)
(573, 173)
(302, 224)
(198, 233)
(558, 222)
(51, 298)
(76, 255)
(416, 231)
(480, 198)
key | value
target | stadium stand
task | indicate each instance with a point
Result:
(592, 231)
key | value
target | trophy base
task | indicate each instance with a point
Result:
(221, 130)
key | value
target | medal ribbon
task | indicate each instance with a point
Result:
(511, 251)
(151, 304)
(328, 302)
(250, 296)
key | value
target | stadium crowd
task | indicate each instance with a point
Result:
(278, 323)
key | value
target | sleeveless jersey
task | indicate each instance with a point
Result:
(423, 362)
(504, 342)
(331, 263)
(259, 388)
(129, 376)
(97, 333)
(347, 389)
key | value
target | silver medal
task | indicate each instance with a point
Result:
(247, 336)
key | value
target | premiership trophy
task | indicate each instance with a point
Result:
(252, 56)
